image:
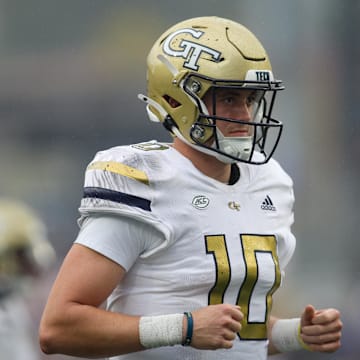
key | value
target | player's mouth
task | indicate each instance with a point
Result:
(239, 132)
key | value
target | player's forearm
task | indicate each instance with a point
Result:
(85, 331)
(271, 348)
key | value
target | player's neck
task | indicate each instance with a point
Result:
(207, 164)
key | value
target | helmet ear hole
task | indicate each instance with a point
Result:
(171, 101)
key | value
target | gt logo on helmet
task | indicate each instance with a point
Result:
(190, 51)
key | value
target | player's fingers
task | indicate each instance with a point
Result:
(234, 312)
(330, 327)
(234, 326)
(229, 335)
(326, 316)
(233, 317)
(238, 317)
(227, 344)
(230, 325)
(307, 315)
(222, 341)
(323, 338)
(326, 347)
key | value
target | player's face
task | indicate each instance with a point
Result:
(234, 104)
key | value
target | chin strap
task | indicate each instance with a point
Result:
(240, 147)
(204, 150)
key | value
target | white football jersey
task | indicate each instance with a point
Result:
(18, 338)
(208, 242)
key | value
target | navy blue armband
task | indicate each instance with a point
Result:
(189, 331)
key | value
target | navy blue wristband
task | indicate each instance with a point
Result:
(189, 331)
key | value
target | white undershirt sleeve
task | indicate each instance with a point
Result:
(120, 238)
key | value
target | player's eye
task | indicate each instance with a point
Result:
(229, 100)
(253, 97)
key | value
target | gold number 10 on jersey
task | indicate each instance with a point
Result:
(261, 279)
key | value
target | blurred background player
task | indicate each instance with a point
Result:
(25, 253)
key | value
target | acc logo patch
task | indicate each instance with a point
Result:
(200, 202)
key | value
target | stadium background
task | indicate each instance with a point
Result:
(69, 75)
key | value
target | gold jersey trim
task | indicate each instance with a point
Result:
(121, 169)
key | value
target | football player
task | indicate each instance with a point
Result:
(25, 253)
(182, 245)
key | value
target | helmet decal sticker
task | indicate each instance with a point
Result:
(190, 51)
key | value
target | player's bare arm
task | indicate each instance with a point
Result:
(74, 323)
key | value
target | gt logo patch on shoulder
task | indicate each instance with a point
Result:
(151, 145)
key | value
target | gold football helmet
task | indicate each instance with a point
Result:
(24, 248)
(206, 54)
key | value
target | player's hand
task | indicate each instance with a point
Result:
(321, 329)
(216, 326)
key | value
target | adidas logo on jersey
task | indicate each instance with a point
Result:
(267, 204)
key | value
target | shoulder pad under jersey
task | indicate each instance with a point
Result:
(118, 180)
